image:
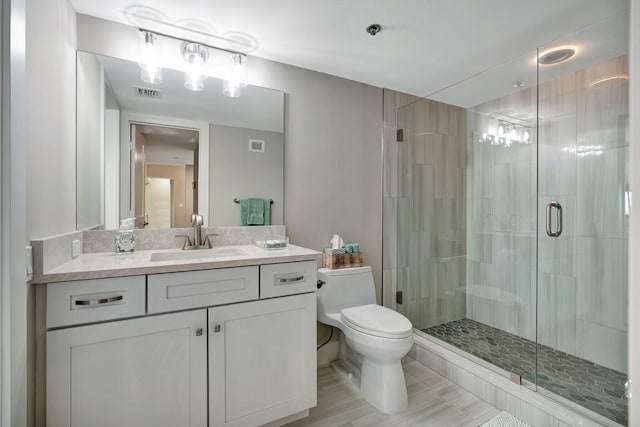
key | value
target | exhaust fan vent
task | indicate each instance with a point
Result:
(146, 92)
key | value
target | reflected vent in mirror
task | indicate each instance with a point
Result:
(146, 92)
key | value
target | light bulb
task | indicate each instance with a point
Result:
(195, 55)
(150, 68)
(238, 71)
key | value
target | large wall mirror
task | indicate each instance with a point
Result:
(159, 153)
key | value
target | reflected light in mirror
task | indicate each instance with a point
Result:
(230, 89)
(607, 79)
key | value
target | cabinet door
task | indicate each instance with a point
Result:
(262, 360)
(142, 372)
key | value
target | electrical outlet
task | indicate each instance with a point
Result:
(75, 248)
(29, 255)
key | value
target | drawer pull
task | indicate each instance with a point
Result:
(99, 301)
(216, 328)
(199, 332)
(289, 280)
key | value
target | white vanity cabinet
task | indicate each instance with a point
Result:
(262, 360)
(181, 349)
(149, 371)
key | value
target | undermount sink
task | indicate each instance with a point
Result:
(196, 254)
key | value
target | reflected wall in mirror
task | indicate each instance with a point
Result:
(159, 153)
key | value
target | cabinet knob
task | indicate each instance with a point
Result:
(216, 328)
(199, 332)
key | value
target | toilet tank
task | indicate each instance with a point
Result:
(344, 288)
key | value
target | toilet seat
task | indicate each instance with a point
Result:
(372, 319)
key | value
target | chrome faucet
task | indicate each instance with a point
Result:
(198, 243)
(196, 221)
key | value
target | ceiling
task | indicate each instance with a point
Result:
(424, 45)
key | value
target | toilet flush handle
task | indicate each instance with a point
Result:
(320, 283)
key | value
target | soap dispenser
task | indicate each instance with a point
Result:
(125, 240)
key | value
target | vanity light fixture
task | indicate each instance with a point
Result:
(150, 68)
(236, 75)
(195, 55)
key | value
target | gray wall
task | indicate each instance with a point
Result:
(236, 172)
(333, 162)
(634, 267)
(90, 166)
(333, 166)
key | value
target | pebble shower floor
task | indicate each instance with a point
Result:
(595, 387)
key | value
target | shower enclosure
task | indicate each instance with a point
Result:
(512, 210)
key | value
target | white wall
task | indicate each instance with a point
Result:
(333, 143)
(51, 119)
(167, 154)
(47, 171)
(14, 389)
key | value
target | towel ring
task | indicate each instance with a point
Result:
(236, 200)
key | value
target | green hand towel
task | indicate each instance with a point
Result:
(255, 211)
(255, 214)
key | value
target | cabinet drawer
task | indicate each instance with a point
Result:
(86, 301)
(192, 289)
(278, 280)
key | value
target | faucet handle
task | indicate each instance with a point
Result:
(187, 241)
(207, 241)
(196, 219)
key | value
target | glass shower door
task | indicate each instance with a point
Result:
(466, 217)
(583, 207)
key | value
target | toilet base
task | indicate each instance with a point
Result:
(381, 384)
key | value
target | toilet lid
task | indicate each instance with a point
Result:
(377, 320)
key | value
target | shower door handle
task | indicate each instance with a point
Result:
(558, 208)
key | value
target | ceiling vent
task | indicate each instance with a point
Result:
(145, 92)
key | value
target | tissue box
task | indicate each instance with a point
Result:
(342, 260)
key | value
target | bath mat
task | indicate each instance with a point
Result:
(505, 419)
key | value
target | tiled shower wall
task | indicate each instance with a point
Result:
(501, 218)
(427, 212)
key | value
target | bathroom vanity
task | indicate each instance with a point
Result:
(160, 338)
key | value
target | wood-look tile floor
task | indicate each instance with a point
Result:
(433, 401)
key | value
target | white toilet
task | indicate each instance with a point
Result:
(374, 338)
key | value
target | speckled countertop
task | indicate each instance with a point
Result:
(106, 264)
